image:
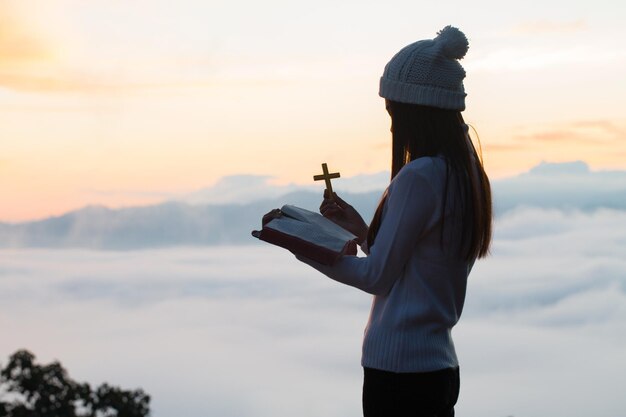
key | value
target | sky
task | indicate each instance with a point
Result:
(543, 331)
(128, 103)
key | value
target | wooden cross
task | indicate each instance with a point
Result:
(326, 176)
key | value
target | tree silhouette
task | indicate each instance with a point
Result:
(28, 389)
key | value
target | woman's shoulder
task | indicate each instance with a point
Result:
(429, 167)
(429, 172)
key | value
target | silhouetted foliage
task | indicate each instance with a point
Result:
(28, 389)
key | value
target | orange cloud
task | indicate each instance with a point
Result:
(549, 136)
(599, 142)
(502, 147)
(23, 53)
(18, 43)
(602, 125)
(29, 62)
(26, 82)
(592, 132)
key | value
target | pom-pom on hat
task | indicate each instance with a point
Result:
(428, 72)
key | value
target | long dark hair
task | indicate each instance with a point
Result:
(420, 131)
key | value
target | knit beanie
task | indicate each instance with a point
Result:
(428, 72)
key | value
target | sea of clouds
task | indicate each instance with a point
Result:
(225, 213)
(186, 305)
(249, 331)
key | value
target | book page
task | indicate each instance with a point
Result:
(315, 219)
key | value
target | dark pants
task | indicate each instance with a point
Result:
(426, 394)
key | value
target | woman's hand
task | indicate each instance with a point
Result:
(344, 215)
(271, 215)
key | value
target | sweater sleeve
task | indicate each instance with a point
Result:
(411, 206)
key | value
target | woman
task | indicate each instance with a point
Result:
(433, 221)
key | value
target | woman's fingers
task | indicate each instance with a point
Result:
(327, 202)
(330, 211)
(340, 201)
(333, 207)
(273, 214)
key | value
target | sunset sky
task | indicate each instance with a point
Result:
(131, 102)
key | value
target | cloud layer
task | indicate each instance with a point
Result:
(226, 212)
(248, 330)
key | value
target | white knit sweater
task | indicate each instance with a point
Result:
(417, 282)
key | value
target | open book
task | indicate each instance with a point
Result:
(308, 234)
